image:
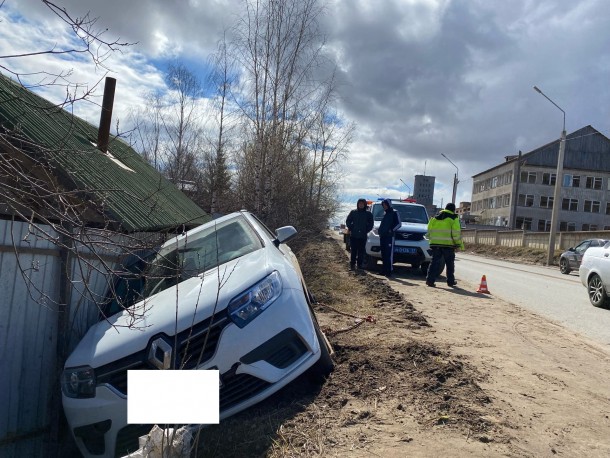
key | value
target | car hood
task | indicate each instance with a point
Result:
(407, 227)
(192, 300)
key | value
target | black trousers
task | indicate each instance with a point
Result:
(387, 253)
(357, 249)
(438, 253)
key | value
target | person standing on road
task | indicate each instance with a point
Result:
(389, 225)
(445, 236)
(359, 222)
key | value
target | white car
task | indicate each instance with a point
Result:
(594, 273)
(411, 245)
(243, 309)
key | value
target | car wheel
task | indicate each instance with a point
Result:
(424, 268)
(597, 292)
(371, 262)
(325, 365)
(564, 266)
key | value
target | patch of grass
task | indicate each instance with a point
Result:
(524, 255)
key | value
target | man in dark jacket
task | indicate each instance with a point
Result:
(445, 235)
(359, 222)
(389, 225)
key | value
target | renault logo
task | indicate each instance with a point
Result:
(160, 354)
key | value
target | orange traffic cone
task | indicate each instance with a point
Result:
(483, 286)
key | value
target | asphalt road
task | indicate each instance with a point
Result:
(542, 290)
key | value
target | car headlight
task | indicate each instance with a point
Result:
(78, 382)
(426, 237)
(251, 303)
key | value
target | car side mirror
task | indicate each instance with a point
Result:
(283, 234)
(571, 249)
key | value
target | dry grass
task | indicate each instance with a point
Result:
(518, 254)
(383, 377)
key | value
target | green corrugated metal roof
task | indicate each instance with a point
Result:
(136, 195)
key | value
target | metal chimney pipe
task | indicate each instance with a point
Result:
(103, 132)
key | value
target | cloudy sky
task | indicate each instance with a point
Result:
(420, 78)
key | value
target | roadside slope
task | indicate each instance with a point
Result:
(439, 372)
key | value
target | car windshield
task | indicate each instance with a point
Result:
(407, 213)
(192, 255)
(202, 251)
(126, 290)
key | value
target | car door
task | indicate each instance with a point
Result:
(603, 264)
(576, 256)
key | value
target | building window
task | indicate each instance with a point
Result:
(592, 206)
(524, 223)
(607, 208)
(593, 183)
(546, 201)
(570, 204)
(508, 178)
(589, 227)
(549, 178)
(544, 225)
(528, 177)
(506, 200)
(526, 200)
(606, 228)
(565, 226)
(571, 181)
(494, 182)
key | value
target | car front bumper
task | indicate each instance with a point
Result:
(254, 362)
(416, 252)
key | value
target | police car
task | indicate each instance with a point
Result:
(411, 245)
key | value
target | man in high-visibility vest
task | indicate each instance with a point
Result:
(445, 236)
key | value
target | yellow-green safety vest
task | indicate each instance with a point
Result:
(445, 232)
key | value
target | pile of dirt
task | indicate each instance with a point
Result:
(390, 379)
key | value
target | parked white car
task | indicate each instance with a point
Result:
(242, 308)
(411, 245)
(594, 274)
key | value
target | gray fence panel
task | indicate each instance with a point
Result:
(28, 344)
(29, 323)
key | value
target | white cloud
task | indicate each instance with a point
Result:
(419, 77)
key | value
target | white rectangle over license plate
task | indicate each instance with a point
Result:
(399, 249)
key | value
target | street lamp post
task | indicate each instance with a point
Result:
(408, 187)
(455, 178)
(558, 180)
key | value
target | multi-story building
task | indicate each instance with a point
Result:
(423, 190)
(518, 193)
(463, 211)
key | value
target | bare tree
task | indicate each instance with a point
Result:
(147, 133)
(283, 100)
(215, 187)
(182, 125)
(90, 40)
(329, 141)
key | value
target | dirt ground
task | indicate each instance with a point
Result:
(434, 372)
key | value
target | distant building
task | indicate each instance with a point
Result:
(423, 191)
(463, 211)
(518, 193)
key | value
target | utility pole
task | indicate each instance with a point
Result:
(558, 181)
